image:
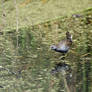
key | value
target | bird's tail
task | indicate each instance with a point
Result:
(68, 36)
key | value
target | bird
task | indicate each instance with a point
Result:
(64, 45)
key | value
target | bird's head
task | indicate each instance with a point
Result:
(53, 47)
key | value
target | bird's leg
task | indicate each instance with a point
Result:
(63, 56)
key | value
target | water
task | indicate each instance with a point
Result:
(27, 67)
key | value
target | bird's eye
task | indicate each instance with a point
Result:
(52, 47)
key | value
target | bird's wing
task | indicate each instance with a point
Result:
(62, 43)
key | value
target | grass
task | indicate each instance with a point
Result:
(30, 64)
(36, 12)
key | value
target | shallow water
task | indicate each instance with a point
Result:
(26, 60)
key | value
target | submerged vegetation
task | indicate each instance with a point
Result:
(28, 65)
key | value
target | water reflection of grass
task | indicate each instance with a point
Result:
(34, 60)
